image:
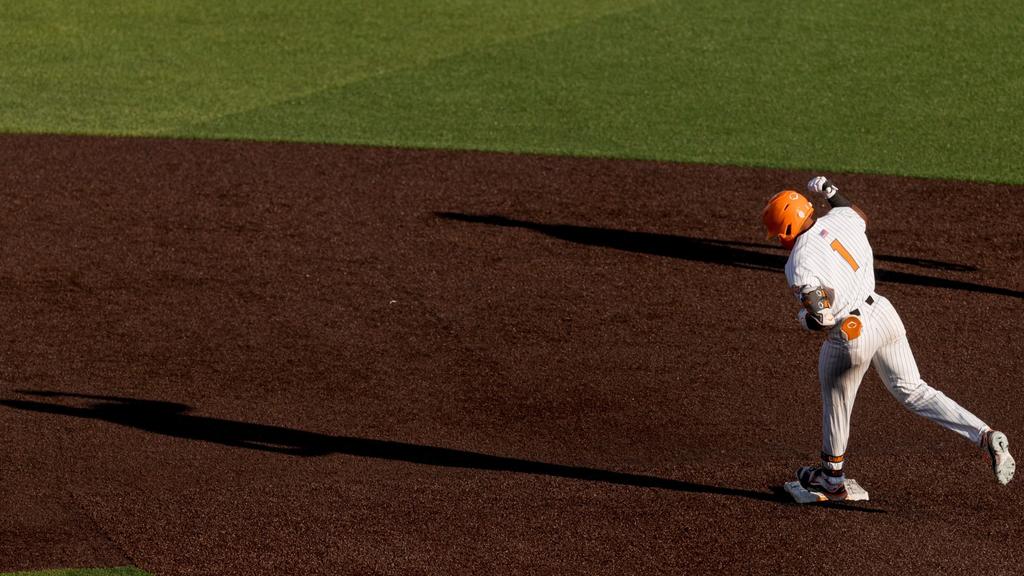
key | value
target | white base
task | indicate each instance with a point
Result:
(802, 495)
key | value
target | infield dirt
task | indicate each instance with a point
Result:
(237, 358)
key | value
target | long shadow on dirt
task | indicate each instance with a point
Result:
(171, 419)
(728, 253)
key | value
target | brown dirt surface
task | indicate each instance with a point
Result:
(237, 358)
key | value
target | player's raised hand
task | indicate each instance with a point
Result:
(822, 185)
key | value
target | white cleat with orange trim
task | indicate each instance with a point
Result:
(1003, 465)
(814, 484)
(801, 495)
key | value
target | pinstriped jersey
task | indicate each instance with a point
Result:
(834, 253)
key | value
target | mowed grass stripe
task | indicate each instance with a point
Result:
(919, 88)
(140, 67)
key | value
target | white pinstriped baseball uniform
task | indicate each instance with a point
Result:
(834, 253)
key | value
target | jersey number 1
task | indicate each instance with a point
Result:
(838, 247)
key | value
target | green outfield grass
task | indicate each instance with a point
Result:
(922, 87)
(124, 571)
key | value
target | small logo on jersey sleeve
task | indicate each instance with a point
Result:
(824, 233)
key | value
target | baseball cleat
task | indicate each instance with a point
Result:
(801, 495)
(815, 479)
(1003, 465)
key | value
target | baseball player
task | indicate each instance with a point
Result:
(831, 273)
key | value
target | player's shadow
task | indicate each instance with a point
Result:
(173, 419)
(725, 252)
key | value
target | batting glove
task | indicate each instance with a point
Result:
(821, 185)
(816, 322)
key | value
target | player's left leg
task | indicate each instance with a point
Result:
(840, 371)
(841, 367)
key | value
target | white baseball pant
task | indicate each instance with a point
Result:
(882, 341)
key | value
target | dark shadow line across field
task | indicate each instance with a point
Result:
(171, 419)
(724, 252)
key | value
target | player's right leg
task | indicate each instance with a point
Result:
(1003, 465)
(895, 363)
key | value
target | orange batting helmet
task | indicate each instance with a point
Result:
(784, 216)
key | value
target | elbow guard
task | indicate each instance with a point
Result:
(816, 314)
